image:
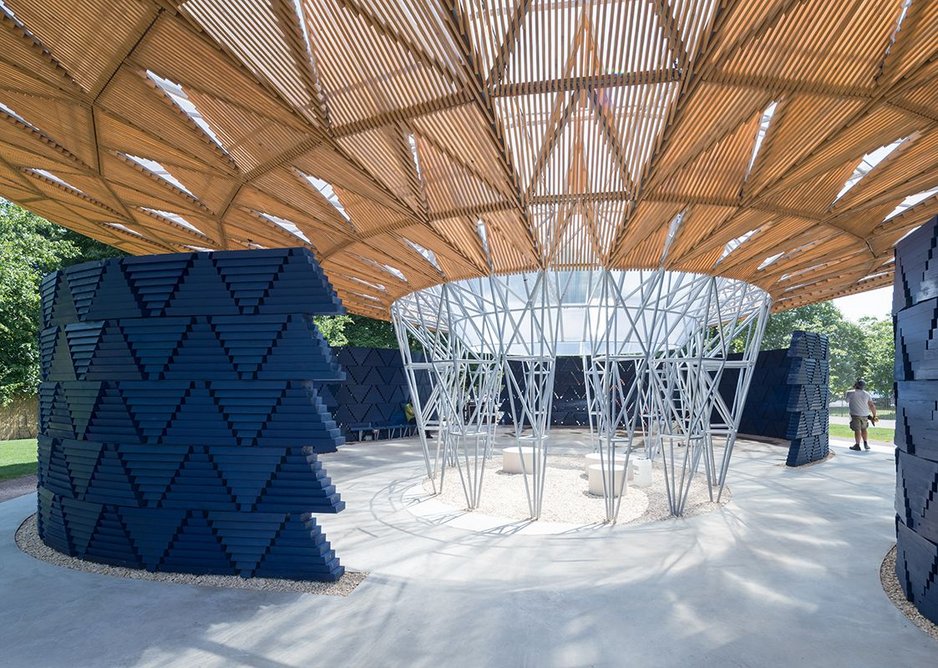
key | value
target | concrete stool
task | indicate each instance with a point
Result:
(591, 458)
(641, 472)
(594, 458)
(596, 479)
(511, 459)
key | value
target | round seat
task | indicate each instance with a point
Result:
(595, 457)
(595, 472)
(512, 459)
(591, 458)
(641, 472)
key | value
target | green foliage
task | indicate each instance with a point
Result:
(29, 248)
(879, 370)
(357, 331)
(332, 327)
(370, 333)
(864, 350)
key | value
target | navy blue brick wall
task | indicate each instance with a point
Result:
(374, 392)
(569, 404)
(915, 315)
(766, 410)
(181, 413)
(788, 397)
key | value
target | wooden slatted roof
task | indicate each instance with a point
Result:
(789, 143)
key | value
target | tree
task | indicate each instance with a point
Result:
(370, 333)
(847, 341)
(332, 328)
(29, 248)
(356, 330)
(880, 354)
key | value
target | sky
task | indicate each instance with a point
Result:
(876, 303)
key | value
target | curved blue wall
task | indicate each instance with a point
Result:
(915, 313)
(180, 417)
(788, 396)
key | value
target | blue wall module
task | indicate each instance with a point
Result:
(788, 396)
(915, 314)
(181, 416)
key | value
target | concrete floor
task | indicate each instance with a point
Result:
(786, 574)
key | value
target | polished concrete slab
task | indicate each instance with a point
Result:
(785, 574)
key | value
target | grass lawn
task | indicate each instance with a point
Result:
(17, 458)
(881, 434)
(882, 414)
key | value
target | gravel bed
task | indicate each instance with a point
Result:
(566, 495)
(890, 582)
(27, 539)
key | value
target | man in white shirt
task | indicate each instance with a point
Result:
(862, 409)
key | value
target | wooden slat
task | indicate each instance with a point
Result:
(567, 134)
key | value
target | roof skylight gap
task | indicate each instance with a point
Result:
(483, 235)
(870, 277)
(375, 286)
(760, 135)
(412, 142)
(298, 7)
(174, 217)
(386, 268)
(124, 228)
(284, 224)
(911, 201)
(52, 177)
(158, 170)
(365, 296)
(4, 108)
(427, 254)
(769, 261)
(673, 230)
(733, 244)
(178, 95)
(867, 163)
(903, 12)
(799, 272)
(787, 255)
(22, 26)
(326, 190)
(394, 271)
(910, 231)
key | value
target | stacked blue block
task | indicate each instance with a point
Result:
(181, 413)
(808, 380)
(915, 309)
(788, 396)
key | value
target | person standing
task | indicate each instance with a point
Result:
(862, 410)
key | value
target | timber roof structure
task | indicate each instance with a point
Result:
(788, 143)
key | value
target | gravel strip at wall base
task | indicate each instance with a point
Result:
(566, 494)
(890, 582)
(27, 539)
